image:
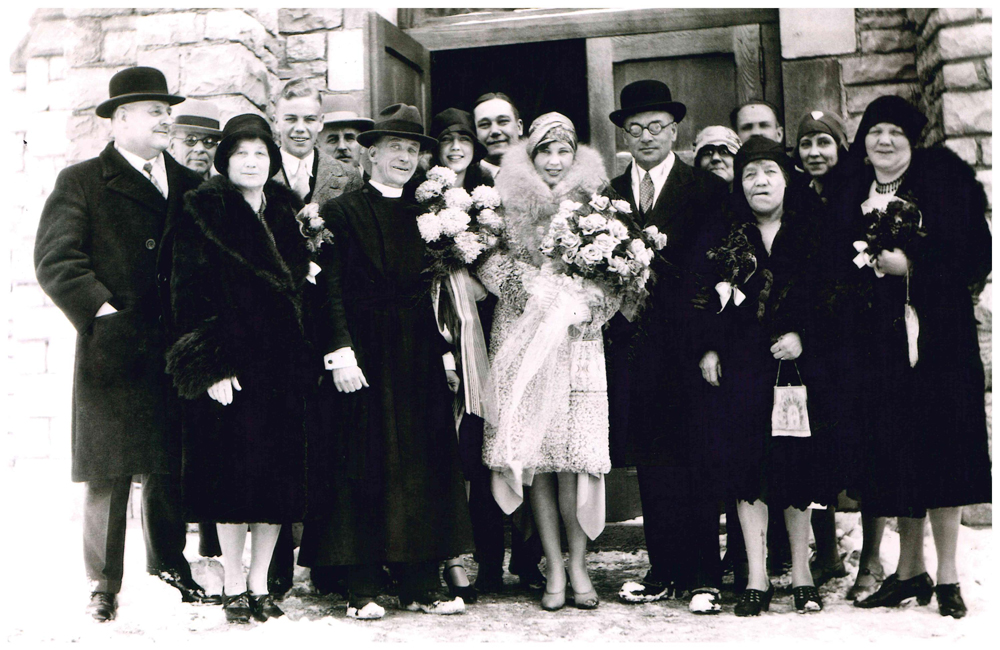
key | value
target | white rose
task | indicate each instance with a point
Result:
(658, 238)
(442, 175)
(599, 202)
(592, 223)
(590, 255)
(430, 226)
(569, 239)
(617, 229)
(486, 197)
(619, 266)
(640, 252)
(548, 245)
(453, 221)
(606, 243)
(458, 198)
(622, 206)
(569, 206)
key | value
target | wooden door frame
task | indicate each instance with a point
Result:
(382, 38)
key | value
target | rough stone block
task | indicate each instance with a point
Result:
(917, 16)
(87, 125)
(37, 83)
(880, 18)
(19, 81)
(946, 16)
(345, 59)
(167, 60)
(988, 70)
(887, 40)
(305, 47)
(169, 29)
(230, 105)
(985, 177)
(986, 149)
(236, 25)
(965, 41)
(297, 21)
(119, 48)
(266, 16)
(816, 32)
(960, 75)
(228, 68)
(57, 68)
(810, 85)
(965, 148)
(980, 514)
(304, 69)
(967, 112)
(96, 13)
(986, 12)
(60, 97)
(118, 23)
(46, 134)
(858, 97)
(879, 67)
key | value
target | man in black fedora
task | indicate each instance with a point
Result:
(385, 481)
(101, 258)
(653, 377)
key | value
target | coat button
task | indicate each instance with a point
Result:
(160, 278)
(150, 244)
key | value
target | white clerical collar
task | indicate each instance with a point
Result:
(386, 191)
(291, 163)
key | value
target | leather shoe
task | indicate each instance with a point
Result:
(103, 606)
(237, 607)
(753, 601)
(532, 579)
(950, 601)
(191, 591)
(894, 591)
(489, 582)
(263, 607)
(867, 583)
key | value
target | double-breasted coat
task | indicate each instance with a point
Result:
(385, 483)
(651, 365)
(101, 238)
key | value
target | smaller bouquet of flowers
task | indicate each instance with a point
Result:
(735, 263)
(315, 231)
(591, 242)
(896, 224)
(458, 226)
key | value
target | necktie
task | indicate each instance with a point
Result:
(148, 168)
(646, 193)
(300, 182)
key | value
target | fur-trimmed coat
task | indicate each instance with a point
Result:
(237, 293)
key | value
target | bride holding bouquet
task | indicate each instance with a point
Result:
(569, 260)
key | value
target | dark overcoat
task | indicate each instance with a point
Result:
(236, 295)
(101, 239)
(385, 482)
(652, 373)
(927, 444)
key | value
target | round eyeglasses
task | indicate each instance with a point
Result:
(635, 130)
(210, 141)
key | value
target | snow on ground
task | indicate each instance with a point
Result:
(46, 593)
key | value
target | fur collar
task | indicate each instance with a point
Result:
(528, 202)
(219, 210)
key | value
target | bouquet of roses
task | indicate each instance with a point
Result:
(316, 234)
(591, 242)
(458, 226)
(735, 263)
(896, 224)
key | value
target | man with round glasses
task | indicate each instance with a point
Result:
(194, 136)
(653, 402)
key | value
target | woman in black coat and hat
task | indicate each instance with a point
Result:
(767, 320)
(240, 264)
(927, 447)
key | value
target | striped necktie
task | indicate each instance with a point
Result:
(148, 168)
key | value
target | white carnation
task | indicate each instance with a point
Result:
(486, 197)
(430, 226)
(468, 246)
(458, 198)
(490, 219)
(442, 175)
(453, 221)
(429, 190)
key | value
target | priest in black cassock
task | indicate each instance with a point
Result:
(385, 484)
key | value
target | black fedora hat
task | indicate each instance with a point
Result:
(136, 85)
(455, 120)
(401, 121)
(247, 126)
(647, 95)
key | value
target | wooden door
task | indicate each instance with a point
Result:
(398, 68)
(709, 70)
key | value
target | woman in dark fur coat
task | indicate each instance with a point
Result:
(926, 451)
(767, 320)
(240, 265)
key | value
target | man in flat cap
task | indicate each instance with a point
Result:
(194, 135)
(652, 376)
(99, 255)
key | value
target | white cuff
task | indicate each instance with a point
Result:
(342, 358)
(449, 361)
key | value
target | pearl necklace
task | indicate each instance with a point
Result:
(890, 187)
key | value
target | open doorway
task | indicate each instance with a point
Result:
(539, 77)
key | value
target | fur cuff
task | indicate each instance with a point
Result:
(197, 361)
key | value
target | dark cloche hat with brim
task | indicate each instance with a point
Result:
(136, 85)
(400, 120)
(248, 126)
(455, 120)
(760, 148)
(647, 95)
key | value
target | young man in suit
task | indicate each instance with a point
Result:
(102, 255)
(653, 387)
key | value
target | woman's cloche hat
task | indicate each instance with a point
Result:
(455, 120)
(647, 95)
(760, 148)
(248, 126)
(136, 85)
(716, 135)
(401, 121)
(892, 110)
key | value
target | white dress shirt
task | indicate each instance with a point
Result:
(159, 171)
(657, 174)
(295, 166)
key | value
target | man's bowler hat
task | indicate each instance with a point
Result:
(647, 95)
(136, 85)
(401, 121)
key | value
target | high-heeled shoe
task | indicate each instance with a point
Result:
(807, 599)
(753, 601)
(554, 601)
(586, 600)
(894, 591)
(468, 593)
(950, 601)
(859, 591)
